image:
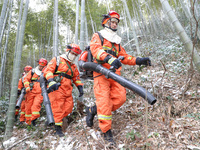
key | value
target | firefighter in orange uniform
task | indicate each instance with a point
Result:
(63, 70)
(109, 94)
(20, 86)
(33, 93)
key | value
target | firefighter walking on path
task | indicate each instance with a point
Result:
(63, 70)
(33, 93)
(110, 95)
(20, 87)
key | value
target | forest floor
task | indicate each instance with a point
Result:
(172, 123)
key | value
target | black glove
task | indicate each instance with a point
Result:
(18, 92)
(113, 61)
(143, 61)
(52, 85)
(80, 89)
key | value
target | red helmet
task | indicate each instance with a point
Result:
(111, 14)
(42, 62)
(27, 68)
(75, 48)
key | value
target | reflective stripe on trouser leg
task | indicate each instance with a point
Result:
(104, 117)
(59, 123)
(28, 118)
(22, 114)
(28, 103)
(103, 102)
(36, 107)
(61, 104)
(16, 112)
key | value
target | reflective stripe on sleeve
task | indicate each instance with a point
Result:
(111, 60)
(129, 58)
(78, 81)
(25, 83)
(99, 53)
(49, 74)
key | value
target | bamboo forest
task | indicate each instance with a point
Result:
(100, 74)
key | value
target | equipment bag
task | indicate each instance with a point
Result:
(86, 56)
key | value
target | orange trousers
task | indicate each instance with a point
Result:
(22, 114)
(61, 104)
(17, 111)
(110, 96)
(33, 106)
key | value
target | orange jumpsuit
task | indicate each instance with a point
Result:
(34, 97)
(22, 114)
(61, 99)
(109, 94)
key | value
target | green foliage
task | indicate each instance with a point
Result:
(193, 115)
(96, 10)
(133, 135)
(4, 102)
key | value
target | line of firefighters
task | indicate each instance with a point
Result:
(110, 95)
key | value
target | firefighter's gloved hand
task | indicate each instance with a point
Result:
(80, 89)
(143, 61)
(18, 92)
(52, 85)
(28, 89)
(113, 61)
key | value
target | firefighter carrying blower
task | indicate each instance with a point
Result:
(63, 70)
(34, 93)
(24, 99)
(110, 95)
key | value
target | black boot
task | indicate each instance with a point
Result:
(16, 116)
(22, 123)
(33, 122)
(91, 112)
(59, 131)
(108, 137)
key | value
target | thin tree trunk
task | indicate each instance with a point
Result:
(132, 25)
(3, 28)
(126, 25)
(86, 31)
(3, 12)
(15, 77)
(55, 29)
(49, 40)
(146, 29)
(189, 15)
(45, 36)
(181, 32)
(82, 35)
(77, 16)
(3, 60)
(92, 23)
(18, 25)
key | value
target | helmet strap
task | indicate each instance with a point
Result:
(109, 26)
(70, 57)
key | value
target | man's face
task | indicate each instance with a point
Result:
(113, 23)
(40, 67)
(26, 72)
